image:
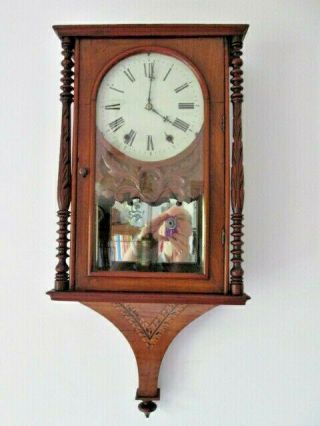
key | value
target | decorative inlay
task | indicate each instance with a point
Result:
(150, 331)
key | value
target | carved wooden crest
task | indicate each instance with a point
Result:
(120, 178)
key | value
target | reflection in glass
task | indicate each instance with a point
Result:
(137, 236)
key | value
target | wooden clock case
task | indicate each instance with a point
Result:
(151, 308)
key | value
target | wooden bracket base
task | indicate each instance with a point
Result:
(149, 328)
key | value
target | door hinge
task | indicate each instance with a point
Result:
(223, 236)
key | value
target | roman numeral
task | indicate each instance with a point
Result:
(181, 124)
(149, 69)
(180, 88)
(150, 146)
(129, 74)
(186, 105)
(112, 106)
(168, 72)
(116, 124)
(116, 90)
(129, 138)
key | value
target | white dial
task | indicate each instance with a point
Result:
(150, 106)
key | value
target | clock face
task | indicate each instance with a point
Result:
(150, 106)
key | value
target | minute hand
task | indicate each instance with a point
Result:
(149, 94)
(151, 77)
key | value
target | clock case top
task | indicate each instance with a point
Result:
(151, 30)
(176, 37)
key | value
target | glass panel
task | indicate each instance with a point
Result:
(136, 236)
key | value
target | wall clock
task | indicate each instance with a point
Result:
(147, 180)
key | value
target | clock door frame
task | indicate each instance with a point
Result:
(215, 71)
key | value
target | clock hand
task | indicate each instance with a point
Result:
(151, 77)
(179, 124)
(164, 117)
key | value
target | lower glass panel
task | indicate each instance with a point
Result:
(135, 236)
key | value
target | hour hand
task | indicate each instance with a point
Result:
(164, 117)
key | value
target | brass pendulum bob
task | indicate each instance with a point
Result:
(147, 249)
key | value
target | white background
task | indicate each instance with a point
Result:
(64, 365)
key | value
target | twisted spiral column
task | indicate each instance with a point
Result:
(237, 175)
(64, 177)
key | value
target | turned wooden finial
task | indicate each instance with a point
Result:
(64, 177)
(147, 407)
(237, 175)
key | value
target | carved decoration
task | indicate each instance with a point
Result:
(150, 331)
(121, 180)
(237, 175)
(64, 177)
